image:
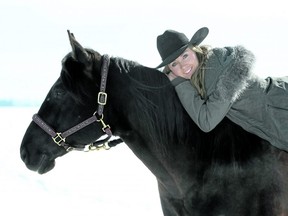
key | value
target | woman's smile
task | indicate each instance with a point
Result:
(185, 65)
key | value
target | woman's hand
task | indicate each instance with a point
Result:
(171, 76)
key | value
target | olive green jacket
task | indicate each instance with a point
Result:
(259, 106)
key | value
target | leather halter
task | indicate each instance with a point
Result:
(60, 138)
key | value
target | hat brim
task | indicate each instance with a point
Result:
(197, 38)
(173, 56)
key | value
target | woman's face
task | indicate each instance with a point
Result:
(185, 65)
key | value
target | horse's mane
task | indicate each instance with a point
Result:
(156, 103)
(166, 123)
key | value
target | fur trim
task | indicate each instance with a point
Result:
(236, 75)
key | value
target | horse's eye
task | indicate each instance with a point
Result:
(59, 93)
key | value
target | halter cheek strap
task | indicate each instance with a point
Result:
(102, 95)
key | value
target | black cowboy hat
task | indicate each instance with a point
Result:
(171, 44)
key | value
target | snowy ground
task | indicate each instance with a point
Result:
(105, 183)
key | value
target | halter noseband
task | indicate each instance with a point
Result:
(60, 138)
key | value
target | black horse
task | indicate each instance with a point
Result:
(226, 172)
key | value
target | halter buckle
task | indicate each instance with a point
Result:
(58, 139)
(102, 98)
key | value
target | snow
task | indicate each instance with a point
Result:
(105, 183)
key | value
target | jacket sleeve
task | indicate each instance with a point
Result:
(207, 114)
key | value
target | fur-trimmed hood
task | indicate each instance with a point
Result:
(228, 71)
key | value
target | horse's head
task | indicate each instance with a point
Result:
(63, 108)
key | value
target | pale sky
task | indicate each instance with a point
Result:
(34, 39)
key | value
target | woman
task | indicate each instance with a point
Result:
(218, 82)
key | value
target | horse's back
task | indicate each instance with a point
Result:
(235, 174)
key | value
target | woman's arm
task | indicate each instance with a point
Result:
(207, 114)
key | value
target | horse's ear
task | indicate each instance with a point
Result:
(78, 52)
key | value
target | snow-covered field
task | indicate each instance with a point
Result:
(105, 183)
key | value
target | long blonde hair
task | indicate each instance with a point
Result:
(198, 77)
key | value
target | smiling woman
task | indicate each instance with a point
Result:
(219, 82)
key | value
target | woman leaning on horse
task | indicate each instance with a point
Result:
(212, 83)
